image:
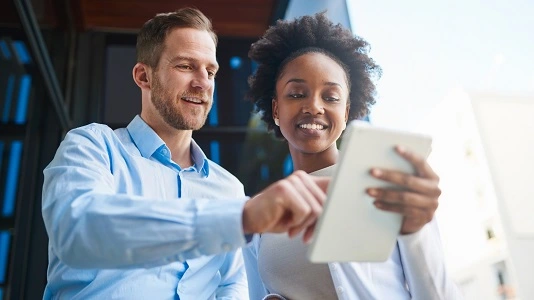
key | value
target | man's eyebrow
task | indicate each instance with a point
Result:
(191, 59)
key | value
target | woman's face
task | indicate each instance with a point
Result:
(311, 103)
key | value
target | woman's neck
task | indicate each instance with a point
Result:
(311, 162)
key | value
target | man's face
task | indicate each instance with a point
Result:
(183, 83)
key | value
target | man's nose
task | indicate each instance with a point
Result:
(202, 81)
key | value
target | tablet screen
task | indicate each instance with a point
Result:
(351, 228)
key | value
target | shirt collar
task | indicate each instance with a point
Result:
(199, 158)
(144, 137)
(148, 142)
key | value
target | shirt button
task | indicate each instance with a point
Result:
(164, 151)
(340, 290)
(226, 247)
(334, 267)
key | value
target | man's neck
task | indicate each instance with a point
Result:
(178, 141)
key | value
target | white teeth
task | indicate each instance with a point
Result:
(312, 126)
(194, 100)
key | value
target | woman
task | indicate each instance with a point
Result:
(312, 78)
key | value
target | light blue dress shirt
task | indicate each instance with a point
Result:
(126, 222)
(415, 270)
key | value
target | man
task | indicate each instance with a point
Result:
(140, 212)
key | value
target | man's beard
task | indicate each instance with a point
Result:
(166, 106)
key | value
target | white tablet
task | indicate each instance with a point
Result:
(351, 228)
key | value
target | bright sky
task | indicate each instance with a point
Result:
(427, 48)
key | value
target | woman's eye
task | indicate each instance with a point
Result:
(331, 99)
(296, 96)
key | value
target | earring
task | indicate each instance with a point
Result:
(277, 122)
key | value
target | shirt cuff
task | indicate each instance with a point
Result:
(419, 237)
(219, 226)
(412, 238)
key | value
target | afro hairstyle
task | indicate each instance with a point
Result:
(288, 39)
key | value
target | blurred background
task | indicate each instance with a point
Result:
(67, 63)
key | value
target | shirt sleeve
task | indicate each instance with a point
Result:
(234, 279)
(424, 265)
(91, 226)
(250, 254)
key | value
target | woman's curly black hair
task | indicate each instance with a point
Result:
(287, 40)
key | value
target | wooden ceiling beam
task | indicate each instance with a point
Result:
(232, 18)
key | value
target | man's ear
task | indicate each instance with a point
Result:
(141, 75)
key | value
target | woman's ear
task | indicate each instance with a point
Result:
(141, 75)
(275, 110)
(347, 110)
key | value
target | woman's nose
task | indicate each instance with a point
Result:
(313, 106)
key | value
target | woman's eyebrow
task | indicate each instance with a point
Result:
(300, 80)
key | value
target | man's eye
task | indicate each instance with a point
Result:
(184, 67)
(296, 96)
